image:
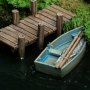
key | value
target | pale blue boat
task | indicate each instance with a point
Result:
(45, 62)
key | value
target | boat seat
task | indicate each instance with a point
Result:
(55, 52)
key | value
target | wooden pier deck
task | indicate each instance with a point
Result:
(29, 26)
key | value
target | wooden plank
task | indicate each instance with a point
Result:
(45, 19)
(63, 10)
(35, 24)
(50, 14)
(5, 30)
(12, 34)
(47, 15)
(20, 28)
(13, 40)
(34, 27)
(27, 27)
(57, 11)
(47, 29)
(39, 20)
(31, 38)
(6, 41)
(16, 32)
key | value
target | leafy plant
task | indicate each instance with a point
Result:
(82, 18)
(87, 30)
(19, 3)
(26, 3)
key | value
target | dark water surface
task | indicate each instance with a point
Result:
(15, 75)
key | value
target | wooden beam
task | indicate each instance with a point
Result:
(41, 35)
(16, 17)
(21, 46)
(59, 23)
(33, 7)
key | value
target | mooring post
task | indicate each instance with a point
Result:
(33, 7)
(21, 46)
(41, 35)
(59, 23)
(15, 14)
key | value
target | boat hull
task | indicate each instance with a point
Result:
(48, 68)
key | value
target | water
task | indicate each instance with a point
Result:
(17, 75)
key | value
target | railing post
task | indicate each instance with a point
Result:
(41, 35)
(16, 17)
(21, 46)
(33, 7)
(59, 23)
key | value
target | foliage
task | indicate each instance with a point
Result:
(87, 32)
(43, 3)
(3, 2)
(82, 17)
(26, 3)
(19, 3)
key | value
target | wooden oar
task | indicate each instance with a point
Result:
(70, 52)
(68, 49)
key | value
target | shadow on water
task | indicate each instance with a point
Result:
(23, 76)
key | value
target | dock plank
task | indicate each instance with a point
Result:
(47, 15)
(63, 10)
(39, 20)
(47, 29)
(27, 27)
(11, 39)
(36, 25)
(15, 33)
(51, 14)
(20, 28)
(31, 39)
(66, 16)
(9, 43)
(45, 19)
(7, 31)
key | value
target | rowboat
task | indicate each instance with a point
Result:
(54, 51)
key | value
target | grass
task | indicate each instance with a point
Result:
(82, 11)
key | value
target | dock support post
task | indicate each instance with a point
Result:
(59, 23)
(21, 46)
(33, 7)
(41, 35)
(15, 14)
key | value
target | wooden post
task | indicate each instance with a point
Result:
(41, 35)
(33, 7)
(21, 46)
(15, 14)
(59, 23)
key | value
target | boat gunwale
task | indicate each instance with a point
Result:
(36, 61)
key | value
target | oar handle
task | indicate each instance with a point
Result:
(59, 61)
(68, 55)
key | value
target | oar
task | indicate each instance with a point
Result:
(68, 49)
(70, 52)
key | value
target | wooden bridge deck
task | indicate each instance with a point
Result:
(29, 26)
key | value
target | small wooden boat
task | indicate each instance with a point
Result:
(46, 61)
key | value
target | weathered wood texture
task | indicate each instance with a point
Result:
(29, 26)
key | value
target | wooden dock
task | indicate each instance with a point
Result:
(29, 26)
